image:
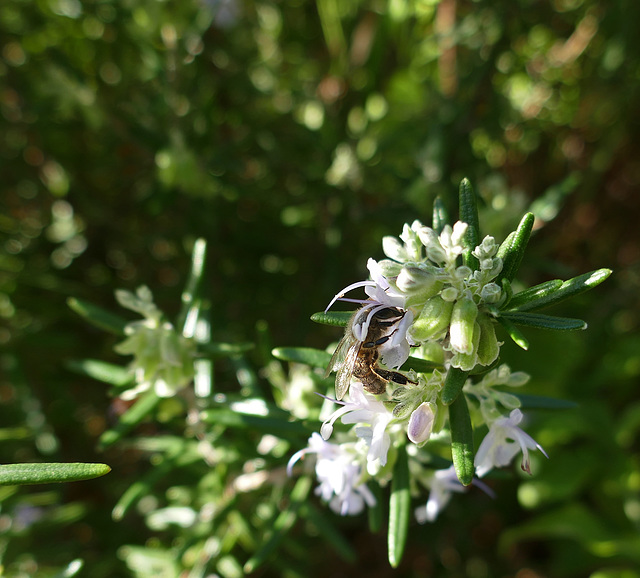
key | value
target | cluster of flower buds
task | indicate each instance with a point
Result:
(162, 358)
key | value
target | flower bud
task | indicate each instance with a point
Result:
(467, 361)
(463, 318)
(394, 249)
(491, 293)
(488, 346)
(421, 423)
(433, 319)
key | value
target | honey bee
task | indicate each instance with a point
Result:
(359, 357)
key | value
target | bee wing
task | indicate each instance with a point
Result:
(338, 355)
(343, 377)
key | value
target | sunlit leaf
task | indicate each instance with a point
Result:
(47, 473)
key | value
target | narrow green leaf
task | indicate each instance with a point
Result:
(283, 523)
(98, 316)
(440, 216)
(262, 423)
(336, 318)
(191, 292)
(569, 288)
(453, 385)
(47, 473)
(462, 451)
(544, 321)
(540, 291)
(420, 365)
(469, 214)
(399, 508)
(307, 355)
(512, 249)
(224, 349)
(143, 406)
(101, 371)
(530, 401)
(516, 335)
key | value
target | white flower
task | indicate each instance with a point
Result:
(504, 440)
(363, 408)
(339, 476)
(443, 484)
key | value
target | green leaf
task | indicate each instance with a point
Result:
(224, 349)
(516, 335)
(143, 406)
(544, 321)
(420, 365)
(469, 214)
(18, 474)
(101, 371)
(399, 508)
(275, 422)
(283, 523)
(512, 249)
(98, 316)
(530, 401)
(462, 450)
(307, 355)
(453, 384)
(569, 288)
(540, 291)
(191, 292)
(336, 318)
(440, 216)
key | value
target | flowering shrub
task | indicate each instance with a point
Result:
(418, 375)
(431, 311)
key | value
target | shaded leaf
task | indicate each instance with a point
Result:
(569, 288)
(307, 355)
(530, 401)
(224, 349)
(399, 508)
(542, 321)
(102, 371)
(516, 335)
(98, 316)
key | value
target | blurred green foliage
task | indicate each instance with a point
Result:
(292, 136)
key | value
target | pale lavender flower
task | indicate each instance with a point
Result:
(339, 475)
(443, 484)
(363, 408)
(503, 442)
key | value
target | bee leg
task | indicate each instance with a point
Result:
(378, 342)
(393, 376)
